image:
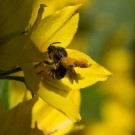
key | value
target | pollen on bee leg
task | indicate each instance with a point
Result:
(67, 62)
(80, 62)
(70, 63)
(74, 62)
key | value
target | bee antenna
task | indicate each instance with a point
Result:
(55, 43)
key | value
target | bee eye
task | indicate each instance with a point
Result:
(60, 54)
(50, 48)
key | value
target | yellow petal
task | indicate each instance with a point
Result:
(36, 7)
(14, 15)
(17, 121)
(43, 113)
(61, 102)
(32, 79)
(38, 18)
(58, 27)
(17, 51)
(87, 76)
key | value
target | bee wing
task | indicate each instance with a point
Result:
(72, 75)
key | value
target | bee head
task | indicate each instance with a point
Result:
(56, 53)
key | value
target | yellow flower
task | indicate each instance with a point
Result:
(14, 45)
(54, 5)
(60, 28)
(42, 113)
(17, 121)
(52, 121)
(13, 18)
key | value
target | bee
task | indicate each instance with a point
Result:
(63, 65)
(58, 64)
(56, 54)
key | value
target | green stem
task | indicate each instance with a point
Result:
(17, 78)
(11, 71)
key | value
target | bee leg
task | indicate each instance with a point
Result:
(48, 63)
(53, 75)
(72, 75)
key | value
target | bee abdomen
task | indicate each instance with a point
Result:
(58, 73)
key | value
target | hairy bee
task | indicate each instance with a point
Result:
(56, 54)
(64, 65)
(58, 64)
